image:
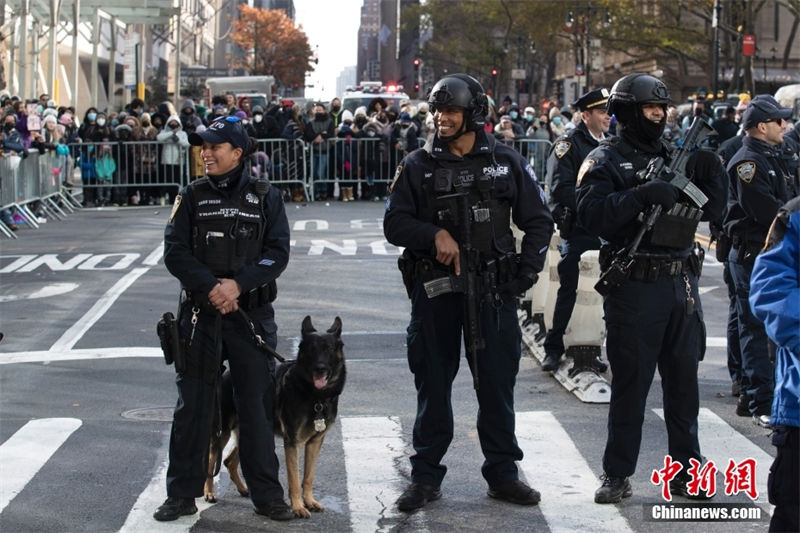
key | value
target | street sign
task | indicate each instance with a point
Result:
(748, 45)
(518, 74)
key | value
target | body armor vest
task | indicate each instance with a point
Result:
(488, 217)
(674, 229)
(227, 232)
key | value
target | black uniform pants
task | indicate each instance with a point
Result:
(758, 379)
(783, 483)
(568, 274)
(648, 327)
(434, 353)
(252, 374)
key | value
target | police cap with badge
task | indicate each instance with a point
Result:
(223, 130)
(594, 99)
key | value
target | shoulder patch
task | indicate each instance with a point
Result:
(397, 174)
(175, 206)
(586, 166)
(746, 171)
(561, 148)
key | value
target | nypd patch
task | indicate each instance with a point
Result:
(586, 166)
(397, 174)
(746, 170)
(175, 206)
(561, 148)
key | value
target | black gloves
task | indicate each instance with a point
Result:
(657, 192)
(518, 285)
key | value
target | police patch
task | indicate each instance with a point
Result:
(561, 148)
(175, 207)
(746, 171)
(586, 166)
(396, 177)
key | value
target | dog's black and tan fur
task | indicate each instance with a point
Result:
(306, 399)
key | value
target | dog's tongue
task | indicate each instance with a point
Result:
(320, 382)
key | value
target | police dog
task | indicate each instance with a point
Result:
(307, 394)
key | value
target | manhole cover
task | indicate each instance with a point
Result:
(150, 414)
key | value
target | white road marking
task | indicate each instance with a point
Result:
(51, 289)
(371, 446)
(565, 480)
(719, 442)
(24, 454)
(82, 325)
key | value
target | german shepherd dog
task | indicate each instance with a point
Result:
(307, 394)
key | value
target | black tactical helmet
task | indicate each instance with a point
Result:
(461, 91)
(637, 89)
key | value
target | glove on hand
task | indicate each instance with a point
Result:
(517, 285)
(657, 192)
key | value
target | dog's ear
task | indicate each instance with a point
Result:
(336, 328)
(307, 326)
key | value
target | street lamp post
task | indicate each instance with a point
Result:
(587, 10)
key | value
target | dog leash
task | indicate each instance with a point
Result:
(259, 341)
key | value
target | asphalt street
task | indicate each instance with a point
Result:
(86, 399)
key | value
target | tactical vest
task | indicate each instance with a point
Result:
(674, 229)
(226, 232)
(453, 181)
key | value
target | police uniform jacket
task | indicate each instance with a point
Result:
(566, 156)
(197, 277)
(408, 221)
(758, 188)
(775, 299)
(607, 206)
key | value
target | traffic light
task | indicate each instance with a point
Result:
(416, 62)
(416, 86)
(494, 72)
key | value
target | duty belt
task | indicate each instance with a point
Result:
(650, 269)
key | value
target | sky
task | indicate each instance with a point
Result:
(332, 26)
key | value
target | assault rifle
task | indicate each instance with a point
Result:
(469, 259)
(674, 173)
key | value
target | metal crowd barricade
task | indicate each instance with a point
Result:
(535, 151)
(116, 172)
(32, 185)
(286, 163)
(367, 164)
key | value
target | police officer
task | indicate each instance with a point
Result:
(653, 318)
(563, 163)
(759, 185)
(460, 159)
(227, 240)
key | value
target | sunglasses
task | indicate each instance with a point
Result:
(778, 121)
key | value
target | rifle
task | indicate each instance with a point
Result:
(674, 173)
(469, 262)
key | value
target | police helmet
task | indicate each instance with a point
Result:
(637, 89)
(461, 91)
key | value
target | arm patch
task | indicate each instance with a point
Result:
(561, 148)
(586, 166)
(746, 170)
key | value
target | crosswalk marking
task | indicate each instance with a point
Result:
(371, 445)
(719, 442)
(564, 478)
(26, 452)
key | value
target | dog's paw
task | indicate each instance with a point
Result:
(210, 497)
(300, 511)
(314, 505)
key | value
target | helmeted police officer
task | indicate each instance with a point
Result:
(565, 159)
(759, 185)
(227, 240)
(653, 318)
(462, 170)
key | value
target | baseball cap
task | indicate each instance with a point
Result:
(223, 130)
(763, 108)
(594, 99)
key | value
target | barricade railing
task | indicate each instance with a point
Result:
(286, 163)
(30, 186)
(131, 172)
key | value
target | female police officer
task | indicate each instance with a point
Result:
(653, 317)
(461, 162)
(227, 240)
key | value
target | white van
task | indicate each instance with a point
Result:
(362, 95)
